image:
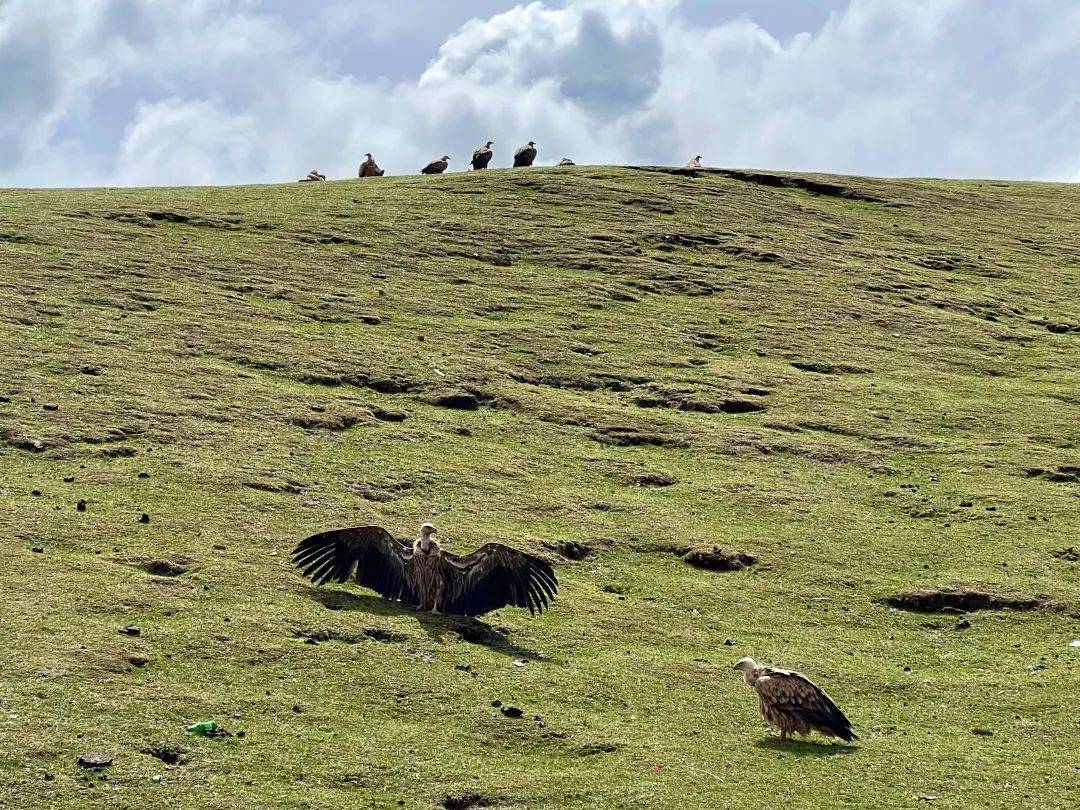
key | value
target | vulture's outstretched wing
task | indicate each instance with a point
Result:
(796, 694)
(369, 554)
(494, 576)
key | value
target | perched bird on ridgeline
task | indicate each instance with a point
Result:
(693, 163)
(437, 166)
(369, 168)
(793, 704)
(525, 155)
(424, 575)
(566, 162)
(482, 156)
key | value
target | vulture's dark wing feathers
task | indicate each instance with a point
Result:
(370, 554)
(495, 576)
(793, 692)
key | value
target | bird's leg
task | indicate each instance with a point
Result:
(783, 736)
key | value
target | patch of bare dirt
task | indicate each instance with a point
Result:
(715, 558)
(571, 549)
(965, 600)
(1065, 474)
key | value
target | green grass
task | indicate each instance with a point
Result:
(230, 349)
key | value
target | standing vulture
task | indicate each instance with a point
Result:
(422, 574)
(369, 168)
(482, 156)
(436, 166)
(693, 163)
(792, 703)
(525, 155)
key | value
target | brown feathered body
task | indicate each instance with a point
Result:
(425, 575)
(793, 704)
(369, 168)
(565, 162)
(482, 157)
(436, 166)
(525, 155)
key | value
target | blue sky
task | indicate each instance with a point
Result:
(156, 92)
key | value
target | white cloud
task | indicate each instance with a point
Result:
(225, 91)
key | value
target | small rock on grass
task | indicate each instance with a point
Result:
(144, 518)
(130, 630)
(511, 711)
(81, 505)
(93, 760)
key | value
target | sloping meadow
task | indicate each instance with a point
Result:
(827, 422)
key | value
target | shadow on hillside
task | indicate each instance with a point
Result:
(804, 748)
(468, 629)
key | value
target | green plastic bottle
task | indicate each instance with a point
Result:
(202, 728)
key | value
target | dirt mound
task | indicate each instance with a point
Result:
(963, 600)
(571, 549)
(715, 558)
(470, 798)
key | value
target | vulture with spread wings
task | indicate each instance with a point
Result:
(424, 575)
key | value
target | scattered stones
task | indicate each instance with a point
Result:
(1069, 553)
(36, 493)
(138, 660)
(92, 371)
(389, 414)
(982, 732)
(131, 630)
(38, 549)
(69, 479)
(299, 708)
(729, 642)
(80, 506)
(963, 624)
(511, 711)
(144, 518)
(143, 474)
(93, 760)
(50, 406)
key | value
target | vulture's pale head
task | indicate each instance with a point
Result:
(746, 666)
(532, 143)
(426, 531)
(446, 158)
(488, 144)
(367, 155)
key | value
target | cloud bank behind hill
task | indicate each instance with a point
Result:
(148, 92)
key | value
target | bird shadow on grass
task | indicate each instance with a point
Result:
(804, 748)
(468, 629)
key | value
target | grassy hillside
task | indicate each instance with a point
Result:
(873, 387)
